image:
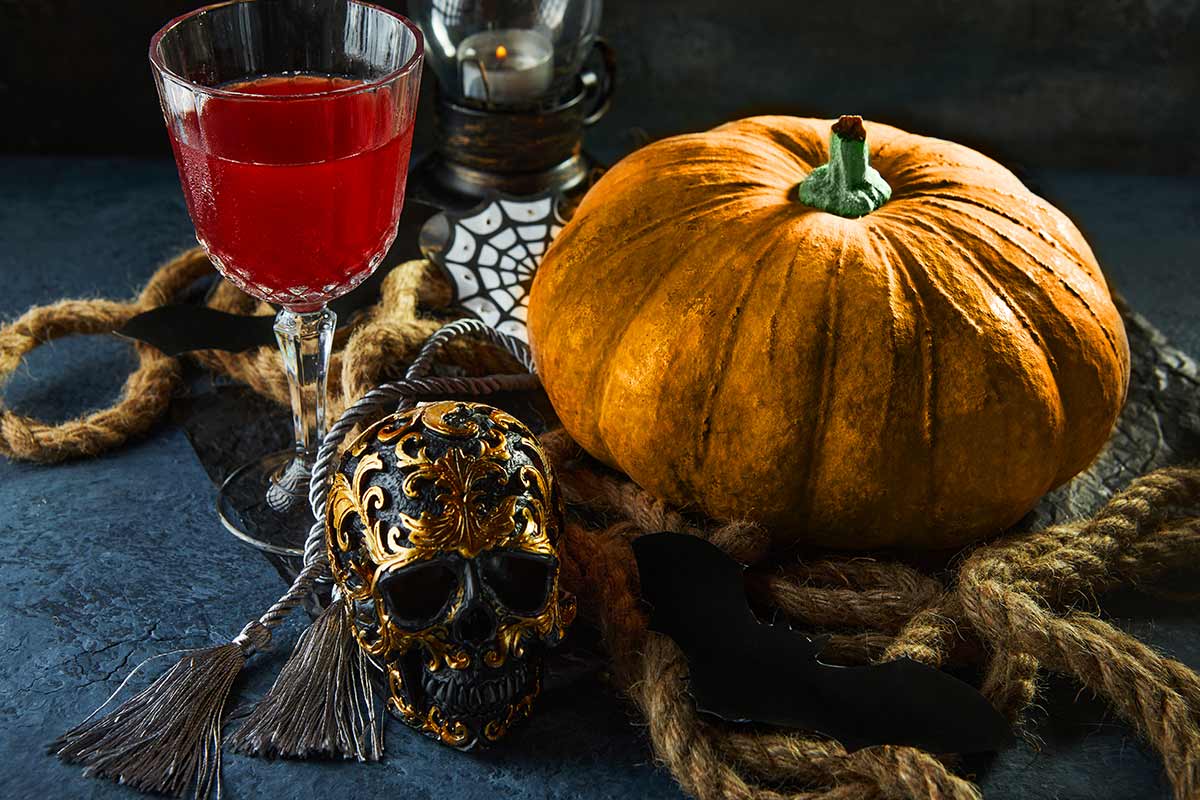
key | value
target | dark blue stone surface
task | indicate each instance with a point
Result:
(108, 561)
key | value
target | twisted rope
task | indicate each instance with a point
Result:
(147, 391)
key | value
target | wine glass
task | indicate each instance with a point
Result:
(291, 122)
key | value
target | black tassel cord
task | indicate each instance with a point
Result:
(167, 738)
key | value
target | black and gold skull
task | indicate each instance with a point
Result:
(442, 528)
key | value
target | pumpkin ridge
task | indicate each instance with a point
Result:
(729, 341)
(1069, 467)
(913, 246)
(1010, 301)
(654, 230)
(803, 401)
(600, 377)
(988, 279)
(1025, 197)
(999, 234)
(880, 248)
(662, 227)
(785, 143)
(929, 392)
(918, 183)
(1053, 242)
(725, 349)
(923, 174)
(779, 162)
(1033, 481)
(816, 438)
(947, 202)
(773, 323)
(1026, 323)
(1072, 290)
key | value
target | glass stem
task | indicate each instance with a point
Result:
(305, 341)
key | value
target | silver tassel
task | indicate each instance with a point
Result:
(323, 702)
(167, 738)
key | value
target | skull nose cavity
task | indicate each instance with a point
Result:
(475, 625)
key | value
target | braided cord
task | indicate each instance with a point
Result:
(421, 365)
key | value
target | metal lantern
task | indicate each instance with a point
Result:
(518, 80)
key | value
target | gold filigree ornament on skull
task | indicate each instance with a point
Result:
(442, 528)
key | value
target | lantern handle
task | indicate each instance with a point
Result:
(599, 85)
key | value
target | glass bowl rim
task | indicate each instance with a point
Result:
(215, 91)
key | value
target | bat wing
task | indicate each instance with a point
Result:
(743, 670)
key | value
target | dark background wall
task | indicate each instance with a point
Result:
(1074, 83)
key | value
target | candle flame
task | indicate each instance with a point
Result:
(501, 51)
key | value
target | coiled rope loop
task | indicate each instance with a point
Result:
(147, 391)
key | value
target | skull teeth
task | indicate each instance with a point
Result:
(459, 693)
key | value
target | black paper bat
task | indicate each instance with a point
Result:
(745, 670)
(181, 328)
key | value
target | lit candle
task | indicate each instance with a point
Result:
(506, 66)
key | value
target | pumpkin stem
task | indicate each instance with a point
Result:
(847, 186)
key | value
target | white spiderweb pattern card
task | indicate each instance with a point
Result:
(493, 253)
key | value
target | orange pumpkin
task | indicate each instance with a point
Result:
(744, 333)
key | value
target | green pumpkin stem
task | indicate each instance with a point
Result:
(847, 186)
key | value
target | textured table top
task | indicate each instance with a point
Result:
(108, 561)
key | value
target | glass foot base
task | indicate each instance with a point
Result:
(265, 504)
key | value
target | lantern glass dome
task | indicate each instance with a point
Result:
(507, 53)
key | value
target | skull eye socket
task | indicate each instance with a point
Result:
(416, 595)
(520, 581)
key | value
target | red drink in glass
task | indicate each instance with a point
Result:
(293, 207)
(291, 123)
